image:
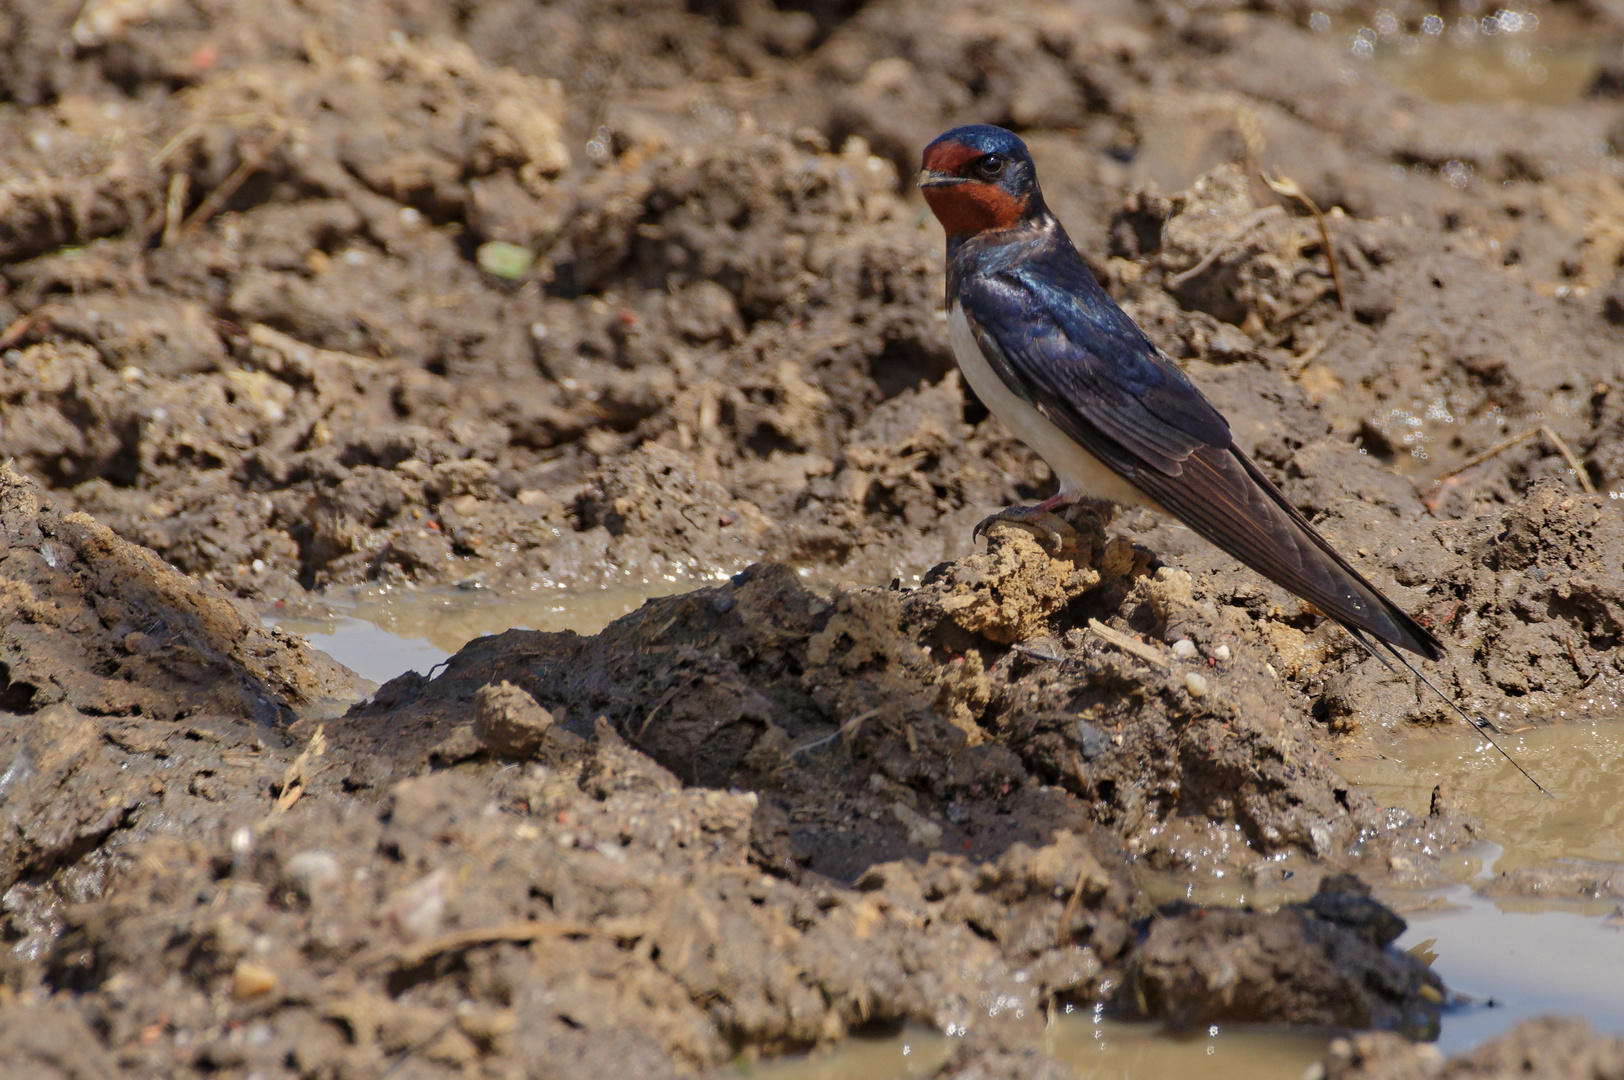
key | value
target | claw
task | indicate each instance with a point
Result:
(1038, 518)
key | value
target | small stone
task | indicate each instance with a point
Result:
(139, 644)
(312, 873)
(722, 604)
(1221, 654)
(251, 980)
(1184, 649)
(484, 1024)
(418, 909)
(957, 812)
(509, 721)
(1091, 740)
(1195, 684)
(922, 831)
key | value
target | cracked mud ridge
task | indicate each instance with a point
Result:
(299, 302)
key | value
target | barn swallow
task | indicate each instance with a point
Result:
(1065, 369)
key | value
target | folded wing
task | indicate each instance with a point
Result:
(1060, 342)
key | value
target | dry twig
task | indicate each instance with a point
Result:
(180, 185)
(1071, 907)
(1289, 188)
(297, 777)
(251, 163)
(21, 328)
(1579, 472)
(518, 932)
(846, 731)
(1148, 653)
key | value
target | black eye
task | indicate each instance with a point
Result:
(992, 166)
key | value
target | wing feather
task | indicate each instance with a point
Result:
(1060, 342)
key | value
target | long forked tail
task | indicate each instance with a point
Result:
(1478, 726)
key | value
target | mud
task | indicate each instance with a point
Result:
(1543, 1048)
(564, 297)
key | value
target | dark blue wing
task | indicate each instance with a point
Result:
(1085, 366)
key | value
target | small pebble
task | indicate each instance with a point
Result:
(1184, 649)
(1093, 742)
(252, 980)
(312, 873)
(1221, 653)
(922, 832)
(1195, 684)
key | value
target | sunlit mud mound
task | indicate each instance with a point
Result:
(94, 623)
(1013, 691)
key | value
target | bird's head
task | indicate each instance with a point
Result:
(979, 178)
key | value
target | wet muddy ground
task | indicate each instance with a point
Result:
(459, 319)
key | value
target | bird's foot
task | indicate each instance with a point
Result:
(1041, 519)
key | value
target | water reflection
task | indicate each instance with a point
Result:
(1578, 762)
(441, 621)
(1094, 1048)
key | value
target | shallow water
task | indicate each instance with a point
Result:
(1095, 1048)
(1526, 957)
(1579, 763)
(383, 633)
(1542, 54)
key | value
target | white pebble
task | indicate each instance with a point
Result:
(1221, 653)
(313, 872)
(1195, 684)
(1184, 649)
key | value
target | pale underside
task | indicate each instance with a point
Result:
(1081, 474)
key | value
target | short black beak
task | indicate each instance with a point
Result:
(932, 178)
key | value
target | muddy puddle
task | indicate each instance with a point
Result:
(1095, 1048)
(1512, 957)
(1542, 55)
(380, 633)
(1579, 762)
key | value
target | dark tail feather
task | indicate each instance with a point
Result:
(1478, 726)
(1227, 499)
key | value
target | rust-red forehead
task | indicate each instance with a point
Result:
(949, 157)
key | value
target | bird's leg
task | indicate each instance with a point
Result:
(1091, 513)
(1041, 517)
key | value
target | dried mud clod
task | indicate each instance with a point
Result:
(615, 872)
(1323, 963)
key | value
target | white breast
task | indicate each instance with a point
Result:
(1080, 472)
